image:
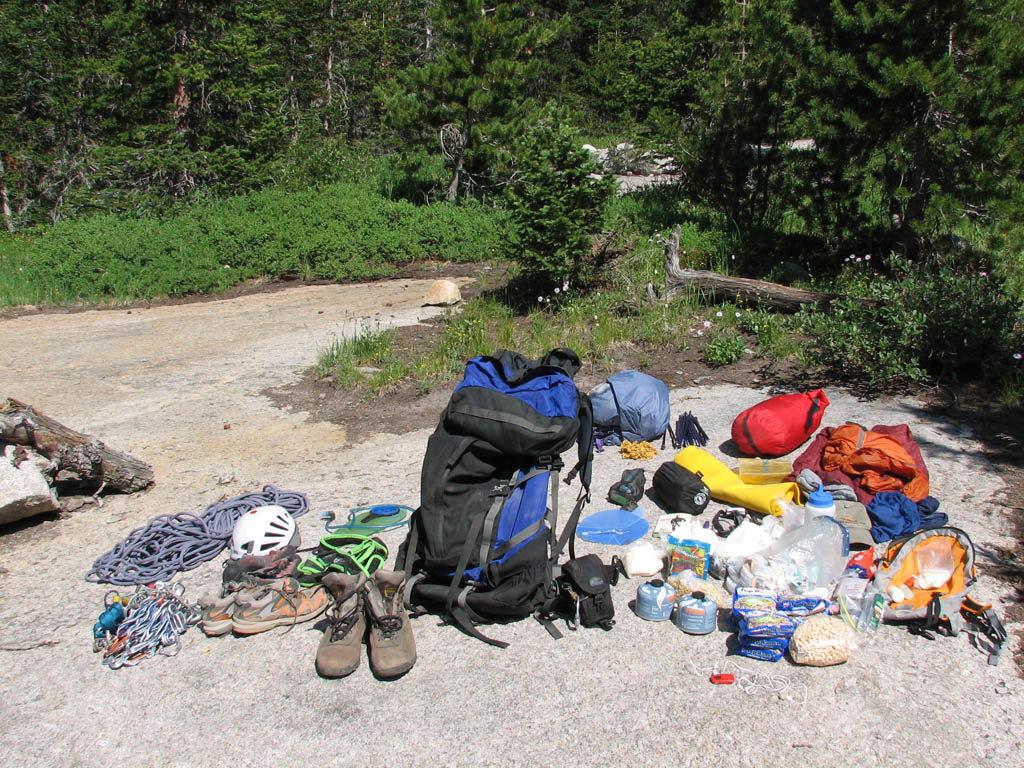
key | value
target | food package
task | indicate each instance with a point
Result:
(821, 641)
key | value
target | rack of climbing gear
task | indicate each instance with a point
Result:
(108, 621)
(154, 620)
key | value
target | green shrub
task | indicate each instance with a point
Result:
(948, 318)
(724, 347)
(340, 232)
(772, 331)
(556, 202)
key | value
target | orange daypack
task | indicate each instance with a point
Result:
(926, 576)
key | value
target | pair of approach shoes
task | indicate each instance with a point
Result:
(257, 608)
(372, 608)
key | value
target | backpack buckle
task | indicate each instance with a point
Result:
(549, 462)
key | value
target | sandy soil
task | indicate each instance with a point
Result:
(196, 390)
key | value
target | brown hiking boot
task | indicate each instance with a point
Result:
(339, 651)
(280, 604)
(391, 645)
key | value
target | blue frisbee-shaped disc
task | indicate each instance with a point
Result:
(613, 526)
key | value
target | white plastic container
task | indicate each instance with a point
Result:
(819, 503)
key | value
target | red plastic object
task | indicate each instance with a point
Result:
(723, 679)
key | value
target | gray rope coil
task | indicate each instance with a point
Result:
(168, 544)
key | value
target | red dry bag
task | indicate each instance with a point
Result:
(779, 425)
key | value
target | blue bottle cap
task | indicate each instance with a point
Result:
(821, 498)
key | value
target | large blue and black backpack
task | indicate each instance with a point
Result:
(483, 544)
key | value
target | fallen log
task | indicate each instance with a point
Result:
(725, 288)
(72, 451)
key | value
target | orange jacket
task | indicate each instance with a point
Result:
(879, 461)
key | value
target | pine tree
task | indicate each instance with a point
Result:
(915, 104)
(734, 96)
(558, 200)
(467, 94)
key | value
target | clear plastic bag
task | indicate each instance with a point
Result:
(811, 555)
(747, 539)
(822, 641)
(792, 513)
(934, 563)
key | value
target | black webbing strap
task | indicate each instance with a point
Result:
(750, 437)
(934, 613)
(585, 446)
(455, 606)
(410, 584)
(568, 533)
(467, 549)
(518, 539)
(994, 632)
(464, 617)
(500, 493)
(931, 623)
(411, 544)
(546, 616)
(991, 635)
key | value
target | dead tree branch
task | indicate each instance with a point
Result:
(73, 451)
(725, 288)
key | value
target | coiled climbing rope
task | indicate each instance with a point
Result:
(168, 544)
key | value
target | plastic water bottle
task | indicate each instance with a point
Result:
(819, 503)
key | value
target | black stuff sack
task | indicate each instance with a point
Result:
(679, 491)
(584, 596)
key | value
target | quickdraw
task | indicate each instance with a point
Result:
(154, 620)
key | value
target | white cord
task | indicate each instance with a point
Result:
(751, 681)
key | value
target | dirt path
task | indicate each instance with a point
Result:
(164, 383)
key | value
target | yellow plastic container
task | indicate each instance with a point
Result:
(764, 471)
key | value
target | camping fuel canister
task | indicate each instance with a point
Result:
(696, 614)
(654, 600)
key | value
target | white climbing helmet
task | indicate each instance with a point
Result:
(261, 530)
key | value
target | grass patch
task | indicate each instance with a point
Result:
(366, 360)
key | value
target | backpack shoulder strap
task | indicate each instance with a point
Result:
(584, 445)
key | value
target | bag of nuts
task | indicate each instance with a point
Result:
(821, 641)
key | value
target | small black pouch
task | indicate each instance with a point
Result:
(678, 490)
(585, 592)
